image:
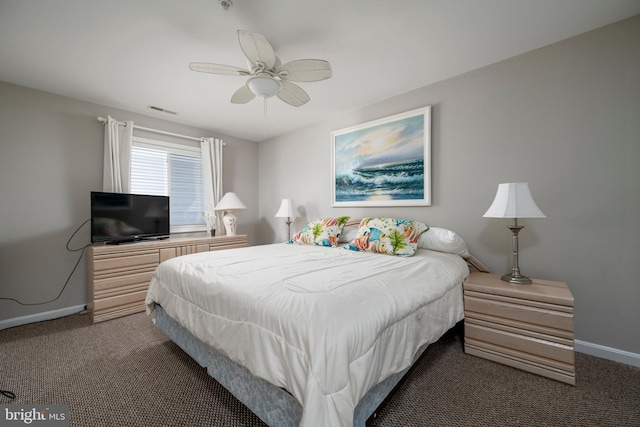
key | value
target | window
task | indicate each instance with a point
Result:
(166, 169)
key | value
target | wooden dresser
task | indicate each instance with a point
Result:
(118, 275)
(529, 327)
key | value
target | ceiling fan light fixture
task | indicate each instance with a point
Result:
(263, 86)
(269, 76)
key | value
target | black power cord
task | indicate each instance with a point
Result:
(7, 393)
(68, 278)
(11, 395)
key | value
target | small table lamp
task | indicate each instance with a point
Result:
(230, 203)
(287, 210)
(513, 200)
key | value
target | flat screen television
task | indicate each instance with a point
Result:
(118, 218)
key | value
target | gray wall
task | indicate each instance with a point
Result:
(565, 119)
(51, 150)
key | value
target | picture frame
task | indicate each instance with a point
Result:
(384, 162)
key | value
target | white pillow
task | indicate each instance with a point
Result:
(348, 234)
(443, 240)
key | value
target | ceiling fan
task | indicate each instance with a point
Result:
(269, 76)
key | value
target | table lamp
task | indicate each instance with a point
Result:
(513, 200)
(287, 210)
(230, 203)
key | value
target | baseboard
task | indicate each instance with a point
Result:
(39, 317)
(608, 353)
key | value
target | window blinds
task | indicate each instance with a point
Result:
(162, 172)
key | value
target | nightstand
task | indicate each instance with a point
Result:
(529, 327)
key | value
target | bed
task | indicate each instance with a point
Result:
(308, 334)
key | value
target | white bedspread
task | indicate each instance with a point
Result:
(326, 324)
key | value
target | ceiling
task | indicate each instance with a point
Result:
(132, 54)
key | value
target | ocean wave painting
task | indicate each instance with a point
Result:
(383, 163)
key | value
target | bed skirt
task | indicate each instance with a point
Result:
(273, 405)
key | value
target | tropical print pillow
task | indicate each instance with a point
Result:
(324, 232)
(389, 236)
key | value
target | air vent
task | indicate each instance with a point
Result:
(163, 110)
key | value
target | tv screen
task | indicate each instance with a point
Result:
(117, 217)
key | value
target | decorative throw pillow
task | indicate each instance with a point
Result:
(324, 232)
(389, 236)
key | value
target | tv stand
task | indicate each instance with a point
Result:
(118, 275)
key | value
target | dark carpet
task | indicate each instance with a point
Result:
(125, 372)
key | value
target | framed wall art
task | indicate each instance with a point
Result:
(385, 162)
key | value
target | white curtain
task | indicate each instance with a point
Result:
(116, 175)
(212, 174)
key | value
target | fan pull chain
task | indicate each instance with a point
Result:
(265, 108)
(264, 118)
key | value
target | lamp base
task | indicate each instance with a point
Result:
(288, 222)
(230, 222)
(516, 279)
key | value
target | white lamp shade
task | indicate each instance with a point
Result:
(513, 200)
(230, 202)
(287, 209)
(263, 86)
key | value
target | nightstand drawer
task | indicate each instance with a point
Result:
(522, 341)
(544, 314)
(545, 367)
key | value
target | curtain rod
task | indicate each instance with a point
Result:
(103, 120)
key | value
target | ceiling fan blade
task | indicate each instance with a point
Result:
(257, 49)
(226, 70)
(305, 70)
(292, 94)
(242, 96)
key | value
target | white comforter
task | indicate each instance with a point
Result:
(326, 324)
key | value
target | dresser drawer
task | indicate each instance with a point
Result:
(216, 246)
(125, 261)
(544, 314)
(106, 283)
(114, 313)
(120, 300)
